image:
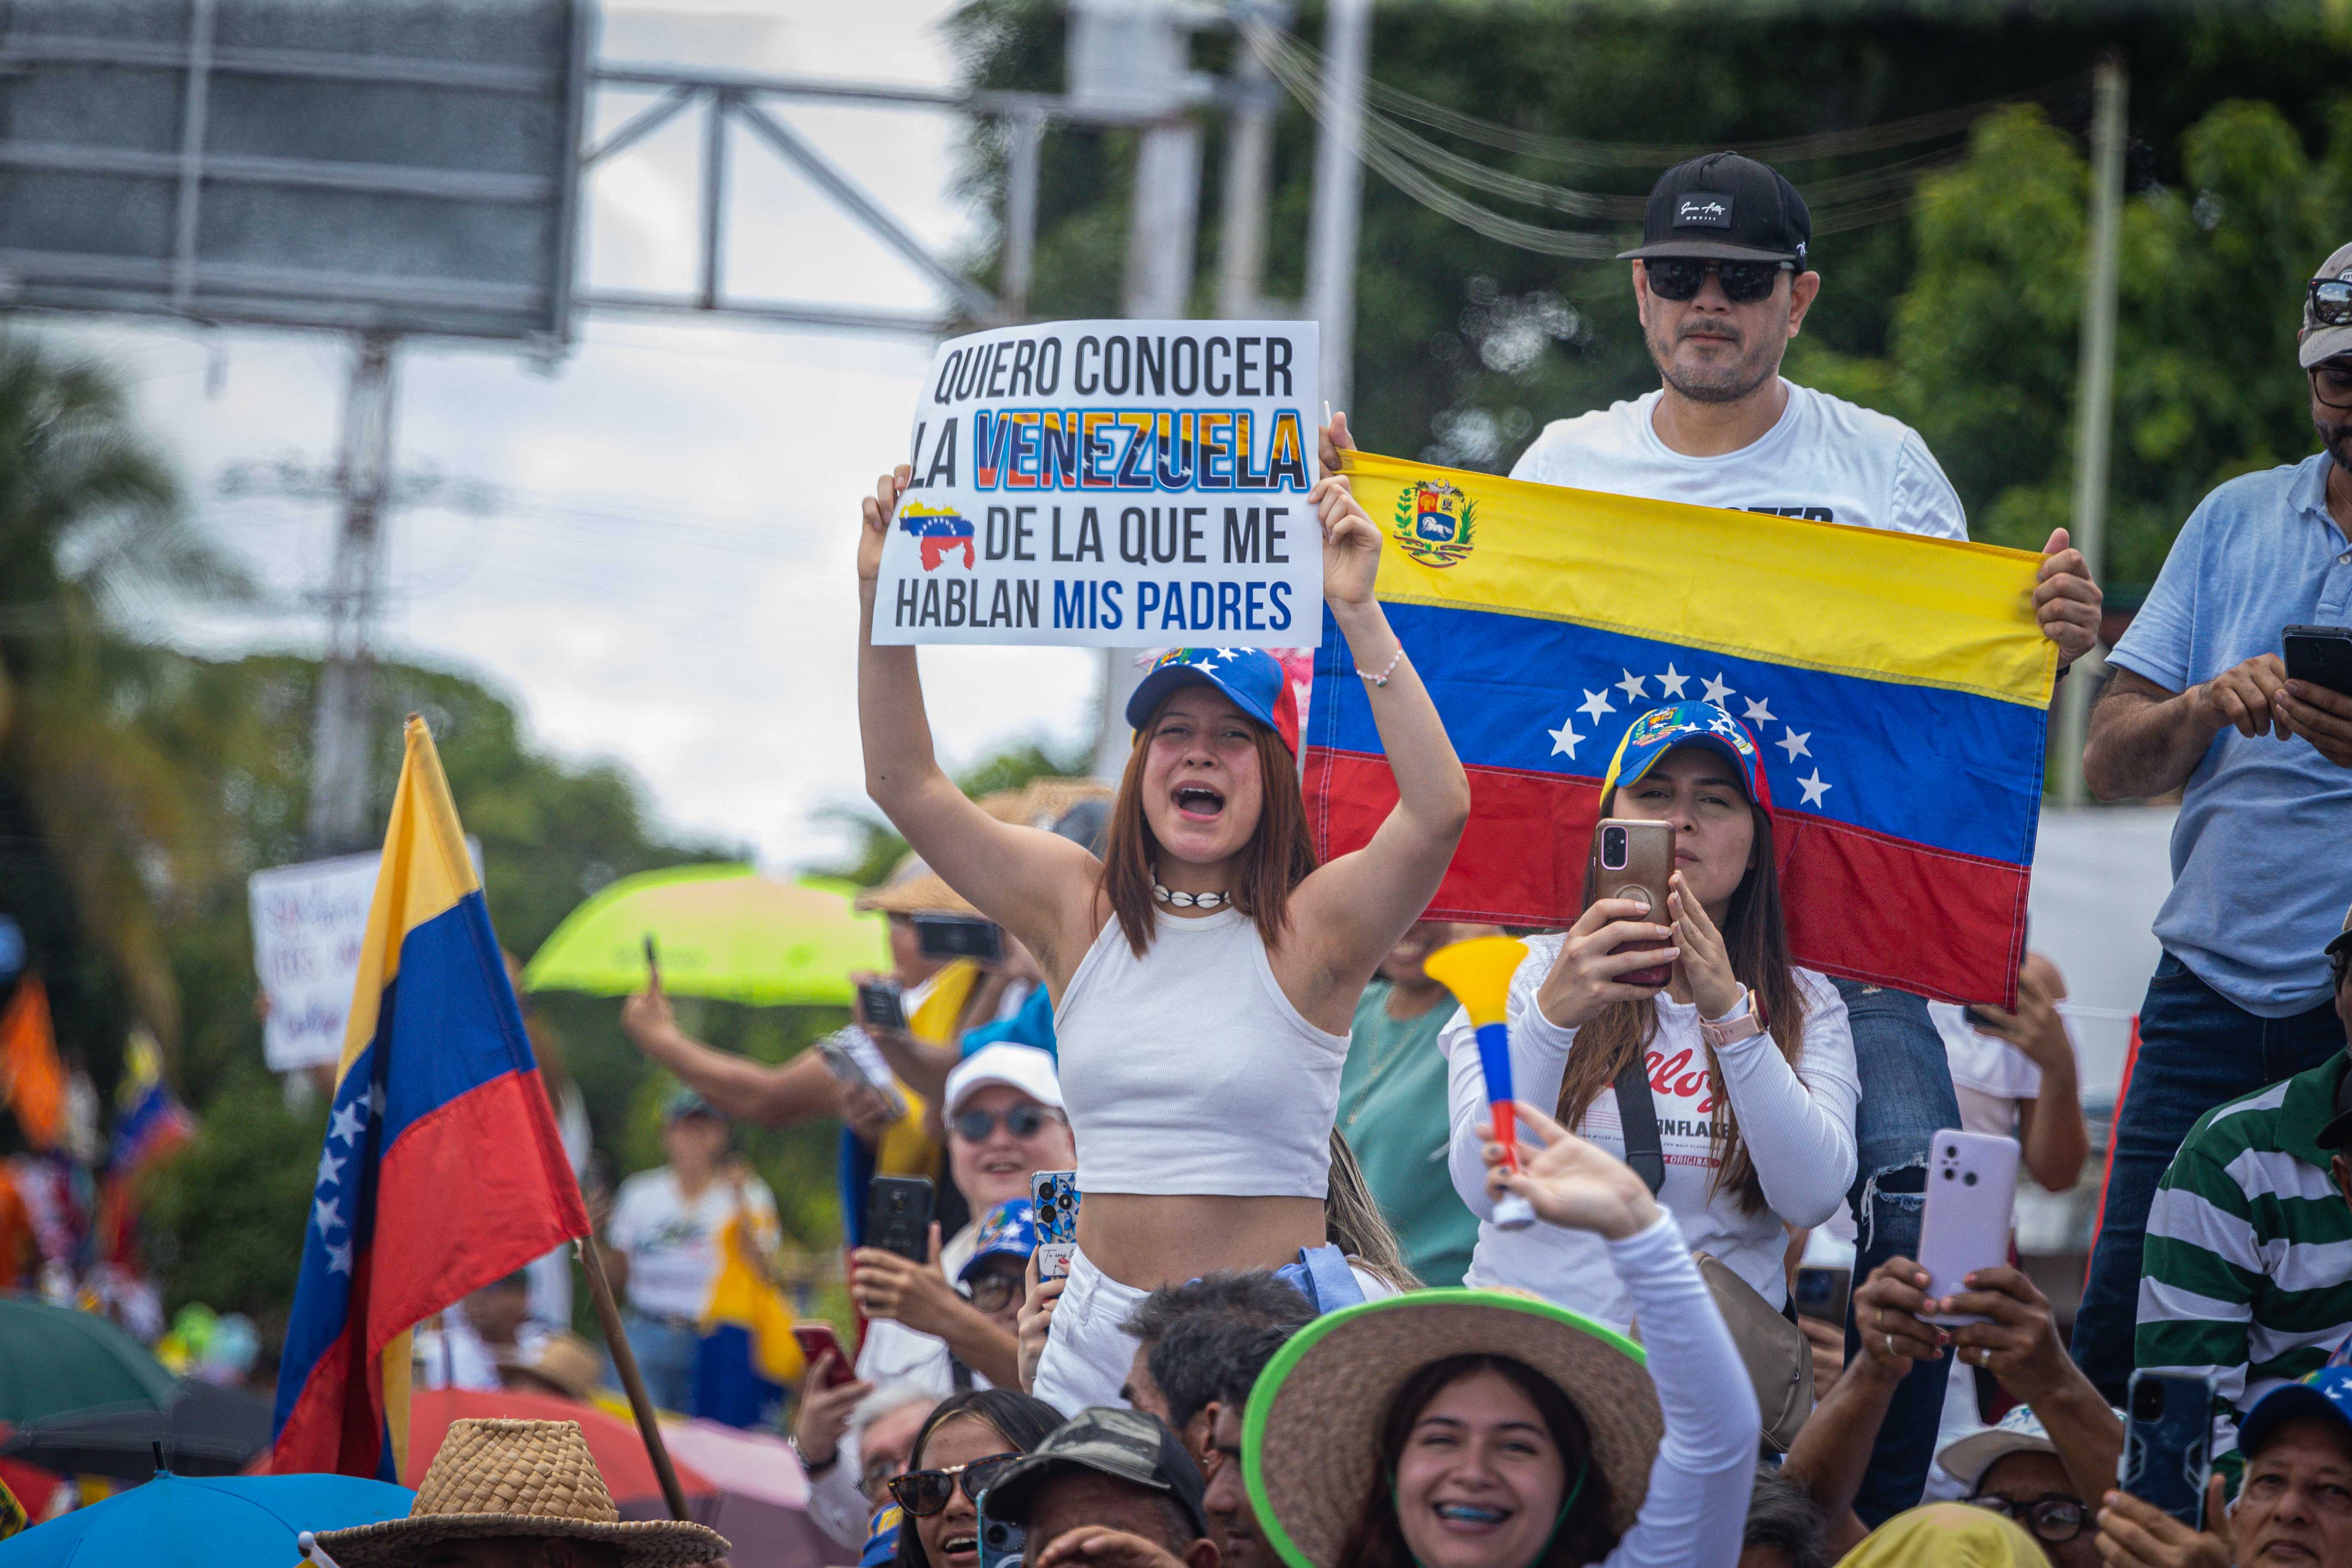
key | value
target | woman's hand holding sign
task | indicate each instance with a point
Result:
(878, 509)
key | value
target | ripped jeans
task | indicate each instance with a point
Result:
(1906, 1096)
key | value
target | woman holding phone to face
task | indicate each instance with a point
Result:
(1205, 969)
(1748, 1059)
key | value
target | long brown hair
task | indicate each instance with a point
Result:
(1276, 858)
(1583, 1536)
(1755, 938)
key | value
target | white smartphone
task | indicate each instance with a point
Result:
(856, 1061)
(1972, 1203)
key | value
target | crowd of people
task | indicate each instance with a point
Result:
(1288, 1321)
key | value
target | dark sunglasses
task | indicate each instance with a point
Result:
(2331, 301)
(924, 1493)
(2053, 1517)
(2331, 382)
(1680, 277)
(1021, 1121)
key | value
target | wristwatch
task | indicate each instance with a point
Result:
(808, 1465)
(1749, 1021)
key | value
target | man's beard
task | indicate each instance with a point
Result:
(1721, 383)
(2337, 440)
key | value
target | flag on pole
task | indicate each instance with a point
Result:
(1898, 686)
(442, 1170)
(32, 1080)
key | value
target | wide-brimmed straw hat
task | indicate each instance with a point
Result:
(1313, 1427)
(914, 889)
(518, 1478)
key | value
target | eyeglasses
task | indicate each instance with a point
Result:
(995, 1292)
(2331, 301)
(2053, 1516)
(924, 1493)
(1680, 277)
(1021, 1121)
(2331, 382)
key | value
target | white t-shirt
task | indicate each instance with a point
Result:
(1990, 1075)
(673, 1246)
(1826, 459)
(1798, 1125)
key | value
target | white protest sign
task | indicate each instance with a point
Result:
(308, 924)
(1111, 484)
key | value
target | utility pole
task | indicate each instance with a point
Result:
(1338, 194)
(2095, 402)
(1249, 167)
(341, 745)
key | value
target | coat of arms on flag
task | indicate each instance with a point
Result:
(1433, 523)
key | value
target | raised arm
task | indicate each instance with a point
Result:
(738, 1089)
(1350, 912)
(1039, 887)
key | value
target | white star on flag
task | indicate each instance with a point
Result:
(338, 1259)
(345, 1127)
(375, 1097)
(1758, 712)
(330, 1169)
(1631, 686)
(1813, 787)
(1594, 705)
(1565, 738)
(1793, 742)
(1715, 690)
(327, 1215)
(1671, 684)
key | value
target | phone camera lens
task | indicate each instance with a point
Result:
(2147, 1402)
(1948, 1174)
(1970, 1180)
(1613, 847)
(1951, 1151)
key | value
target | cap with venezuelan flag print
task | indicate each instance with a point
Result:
(1661, 730)
(1251, 677)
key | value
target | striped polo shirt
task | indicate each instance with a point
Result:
(2248, 1271)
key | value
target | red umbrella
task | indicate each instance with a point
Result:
(619, 1451)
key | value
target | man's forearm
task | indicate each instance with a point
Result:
(1832, 1450)
(2083, 1429)
(988, 1350)
(745, 1090)
(2144, 741)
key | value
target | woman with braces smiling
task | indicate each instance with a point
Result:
(1205, 970)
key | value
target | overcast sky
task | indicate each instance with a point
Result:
(669, 581)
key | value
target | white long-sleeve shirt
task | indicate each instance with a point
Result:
(1797, 1122)
(1696, 1511)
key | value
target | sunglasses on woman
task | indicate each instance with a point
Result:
(1021, 1121)
(2053, 1516)
(1680, 277)
(924, 1493)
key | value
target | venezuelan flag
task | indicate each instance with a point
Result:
(1898, 686)
(441, 1171)
(746, 1360)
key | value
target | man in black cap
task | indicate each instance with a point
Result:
(1107, 1488)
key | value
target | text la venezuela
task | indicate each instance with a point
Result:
(1111, 484)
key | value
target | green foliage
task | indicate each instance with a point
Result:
(875, 846)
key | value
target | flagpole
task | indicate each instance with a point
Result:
(625, 1361)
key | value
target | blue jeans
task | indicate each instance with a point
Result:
(664, 1358)
(2198, 1049)
(1906, 1096)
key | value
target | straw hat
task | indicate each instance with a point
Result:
(1313, 1427)
(914, 889)
(518, 1478)
(563, 1363)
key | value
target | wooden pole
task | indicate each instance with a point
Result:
(625, 1360)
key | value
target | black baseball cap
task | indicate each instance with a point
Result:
(1125, 1444)
(1725, 207)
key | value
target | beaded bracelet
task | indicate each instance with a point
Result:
(1383, 678)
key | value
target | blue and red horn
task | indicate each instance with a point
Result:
(1478, 973)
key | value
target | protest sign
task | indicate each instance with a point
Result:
(1111, 484)
(307, 923)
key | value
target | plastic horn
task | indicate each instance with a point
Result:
(314, 1554)
(1478, 973)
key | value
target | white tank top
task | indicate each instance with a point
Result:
(1187, 1071)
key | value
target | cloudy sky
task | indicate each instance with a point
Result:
(666, 580)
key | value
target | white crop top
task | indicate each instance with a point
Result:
(1187, 1071)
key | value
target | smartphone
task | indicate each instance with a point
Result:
(1053, 1205)
(899, 1215)
(858, 1063)
(2169, 1443)
(1972, 1203)
(652, 959)
(2320, 654)
(816, 1339)
(1636, 859)
(959, 936)
(1002, 1541)
(1822, 1293)
(879, 1006)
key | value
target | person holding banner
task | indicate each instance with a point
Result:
(1748, 1061)
(1205, 970)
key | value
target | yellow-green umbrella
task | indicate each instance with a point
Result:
(723, 932)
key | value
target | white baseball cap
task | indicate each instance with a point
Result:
(1967, 1459)
(1023, 1069)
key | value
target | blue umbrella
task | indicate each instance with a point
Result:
(206, 1521)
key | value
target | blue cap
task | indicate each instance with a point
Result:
(882, 1537)
(684, 1102)
(1008, 1230)
(1661, 730)
(1252, 678)
(2326, 1392)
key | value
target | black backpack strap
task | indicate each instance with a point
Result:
(1639, 1115)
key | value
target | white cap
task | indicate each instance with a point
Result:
(1025, 1069)
(2020, 1431)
